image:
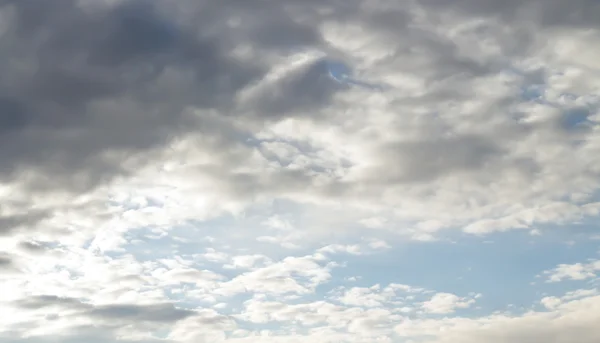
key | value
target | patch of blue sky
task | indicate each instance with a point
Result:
(533, 93)
(161, 333)
(501, 266)
(573, 116)
(577, 232)
(342, 73)
(145, 249)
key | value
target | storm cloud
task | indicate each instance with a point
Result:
(84, 88)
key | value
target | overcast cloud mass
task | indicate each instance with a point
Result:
(291, 171)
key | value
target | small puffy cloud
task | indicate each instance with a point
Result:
(550, 302)
(338, 248)
(379, 244)
(377, 296)
(248, 261)
(214, 256)
(365, 297)
(445, 303)
(577, 271)
(292, 275)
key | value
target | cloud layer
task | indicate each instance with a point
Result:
(190, 171)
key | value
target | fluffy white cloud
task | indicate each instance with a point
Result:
(577, 271)
(567, 320)
(444, 303)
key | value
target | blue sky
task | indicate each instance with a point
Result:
(298, 171)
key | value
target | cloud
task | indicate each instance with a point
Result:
(364, 297)
(190, 171)
(6, 262)
(249, 261)
(279, 278)
(159, 313)
(114, 80)
(547, 14)
(576, 271)
(575, 317)
(200, 104)
(444, 303)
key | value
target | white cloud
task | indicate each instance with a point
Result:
(444, 303)
(338, 248)
(280, 278)
(379, 244)
(364, 297)
(576, 317)
(577, 271)
(248, 261)
(550, 303)
(214, 256)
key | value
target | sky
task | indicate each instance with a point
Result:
(291, 171)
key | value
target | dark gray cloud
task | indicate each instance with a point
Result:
(13, 115)
(305, 90)
(32, 247)
(10, 223)
(151, 313)
(162, 313)
(79, 85)
(5, 261)
(43, 301)
(10, 265)
(78, 334)
(438, 156)
(578, 13)
(85, 90)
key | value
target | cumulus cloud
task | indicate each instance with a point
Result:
(576, 271)
(444, 303)
(575, 318)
